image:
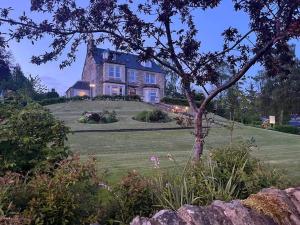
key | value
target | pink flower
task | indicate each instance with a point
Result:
(155, 160)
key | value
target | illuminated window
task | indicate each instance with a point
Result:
(81, 93)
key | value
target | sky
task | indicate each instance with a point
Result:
(210, 25)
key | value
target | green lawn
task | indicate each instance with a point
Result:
(120, 152)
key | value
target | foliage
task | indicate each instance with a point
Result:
(134, 196)
(118, 97)
(280, 95)
(66, 195)
(182, 53)
(287, 129)
(184, 121)
(155, 116)
(103, 117)
(51, 101)
(46, 95)
(227, 173)
(29, 138)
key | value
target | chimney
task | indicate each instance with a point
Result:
(90, 44)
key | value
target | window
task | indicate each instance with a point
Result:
(147, 64)
(115, 90)
(150, 78)
(118, 72)
(131, 76)
(114, 72)
(111, 71)
(152, 96)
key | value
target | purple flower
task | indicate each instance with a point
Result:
(155, 161)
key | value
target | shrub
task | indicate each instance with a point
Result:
(103, 117)
(227, 173)
(66, 195)
(30, 138)
(287, 129)
(156, 115)
(134, 196)
(118, 97)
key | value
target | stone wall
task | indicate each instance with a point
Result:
(268, 207)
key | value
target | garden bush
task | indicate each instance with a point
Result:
(29, 138)
(227, 173)
(134, 197)
(118, 97)
(103, 117)
(287, 129)
(51, 101)
(155, 116)
(66, 195)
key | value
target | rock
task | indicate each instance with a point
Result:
(268, 207)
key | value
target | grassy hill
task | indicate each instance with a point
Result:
(122, 151)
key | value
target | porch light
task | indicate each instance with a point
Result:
(92, 85)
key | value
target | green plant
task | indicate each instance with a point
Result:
(134, 197)
(65, 195)
(103, 117)
(227, 173)
(30, 138)
(153, 116)
(287, 129)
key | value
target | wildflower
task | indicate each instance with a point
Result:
(155, 160)
(170, 157)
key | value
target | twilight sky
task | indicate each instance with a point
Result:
(210, 24)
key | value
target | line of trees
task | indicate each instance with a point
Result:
(14, 83)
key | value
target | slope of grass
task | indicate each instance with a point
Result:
(120, 152)
(71, 111)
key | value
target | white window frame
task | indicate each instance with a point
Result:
(117, 72)
(114, 72)
(148, 79)
(131, 74)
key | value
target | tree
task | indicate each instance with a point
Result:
(280, 95)
(4, 68)
(148, 30)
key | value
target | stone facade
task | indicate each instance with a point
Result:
(97, 71)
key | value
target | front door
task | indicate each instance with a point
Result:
(152, 96)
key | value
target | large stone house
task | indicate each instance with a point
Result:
(115, 73)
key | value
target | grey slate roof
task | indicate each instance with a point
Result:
(83, 85)
(129, 60)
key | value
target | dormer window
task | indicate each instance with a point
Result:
(147, 64)
(105, 55)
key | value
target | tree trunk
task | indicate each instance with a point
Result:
(199, 136)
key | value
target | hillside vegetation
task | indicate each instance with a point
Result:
(123, 151)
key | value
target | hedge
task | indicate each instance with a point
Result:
(287, 129)
(80, 98)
